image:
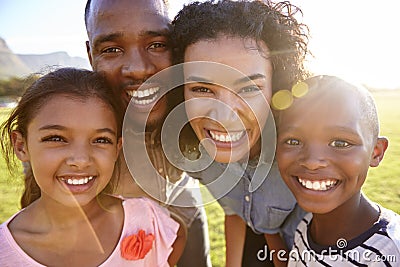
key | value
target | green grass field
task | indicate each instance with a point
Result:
(382, 185)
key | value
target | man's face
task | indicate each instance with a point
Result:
(128, 43)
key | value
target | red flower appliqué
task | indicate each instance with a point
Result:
(135, 247)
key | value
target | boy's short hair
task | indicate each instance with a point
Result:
(365, 100)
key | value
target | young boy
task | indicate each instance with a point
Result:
(327, 140)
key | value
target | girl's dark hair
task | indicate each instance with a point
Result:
(272, 23)
(77, 83)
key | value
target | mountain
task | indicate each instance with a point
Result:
(17, 65)
(11, 64)
(40, 63)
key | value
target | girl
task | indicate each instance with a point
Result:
(67, 126)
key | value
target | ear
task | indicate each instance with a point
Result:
(379, 151)
(20, 146)
(89, 53)
(119, 146)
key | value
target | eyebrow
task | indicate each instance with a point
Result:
(161, 32)
(239, 81)
(198, 79)
(63, 128)
(106, 38)
(250, 77)
(113, 36)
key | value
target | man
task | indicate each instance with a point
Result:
(128, 43)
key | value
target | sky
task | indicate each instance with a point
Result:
(358, 40)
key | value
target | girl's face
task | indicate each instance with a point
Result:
(72, 147)
(231, 116)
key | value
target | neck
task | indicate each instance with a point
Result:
(55, 215)
(255, 150)
(347, 221)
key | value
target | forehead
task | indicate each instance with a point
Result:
(326, 107)
(232, 51)
(83, 108)
(236, 53)
(107, 16)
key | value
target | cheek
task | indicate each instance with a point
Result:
(108, 67)
(259, 108)
(194, 108)
(106, 159)
(160, 60)
(197, 127)
(284, 158)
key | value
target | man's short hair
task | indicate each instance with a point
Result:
(87, 10)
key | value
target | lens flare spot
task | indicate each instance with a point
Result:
(300, 89)
(282, 100)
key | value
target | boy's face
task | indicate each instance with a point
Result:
(230, 116)
(324, 149)
(128, 43)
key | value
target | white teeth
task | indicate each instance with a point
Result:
(321, 185)
(74, 181)
(151, 92)
(145, 101)
(226, 137)
(316, 185)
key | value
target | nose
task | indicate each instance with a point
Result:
(228, 108)
(313, 157)
(138, 65)
(79, 156)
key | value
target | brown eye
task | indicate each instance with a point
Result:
(292, 142)
(103, 140)
(111, 50)
(200, 89)
(53, 138)
(339, 143)
(249, 89)
(157, 46)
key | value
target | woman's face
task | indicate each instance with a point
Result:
(228, 105)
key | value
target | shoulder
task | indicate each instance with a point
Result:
(11, 253)
(300, 235)
(144, 205)
(147, 213)
(393, 225)
(304, 223)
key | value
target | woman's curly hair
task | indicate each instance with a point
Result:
(272, 23)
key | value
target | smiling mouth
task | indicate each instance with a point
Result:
(318, 185)
(225, 137)
(144, 97)
(70, 180)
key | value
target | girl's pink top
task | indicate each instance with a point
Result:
(140, 214)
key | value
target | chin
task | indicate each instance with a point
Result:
(316, 209)
(227, 157)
